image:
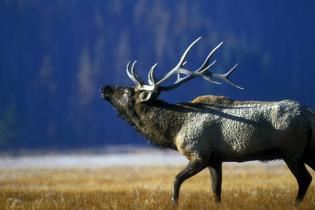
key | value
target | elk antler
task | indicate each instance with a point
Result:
(155, 85)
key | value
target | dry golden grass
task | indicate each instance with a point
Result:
(244, 187)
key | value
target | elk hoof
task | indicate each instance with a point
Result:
(297, 202)
(217, 201)
(174, 201)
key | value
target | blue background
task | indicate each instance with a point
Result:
(54, 56)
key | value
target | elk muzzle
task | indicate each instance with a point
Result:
(106, 92)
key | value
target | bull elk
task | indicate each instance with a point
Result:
(215, 129)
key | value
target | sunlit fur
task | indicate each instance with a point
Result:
(239, 129)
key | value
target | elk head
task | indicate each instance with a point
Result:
(124, 98)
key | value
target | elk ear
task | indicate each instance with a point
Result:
(148, 95)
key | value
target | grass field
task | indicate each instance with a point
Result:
(244, 187)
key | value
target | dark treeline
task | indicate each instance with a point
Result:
(54, 56)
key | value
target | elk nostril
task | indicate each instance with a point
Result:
(106, 91)
(104, 88)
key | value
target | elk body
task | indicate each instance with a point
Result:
(215, 129)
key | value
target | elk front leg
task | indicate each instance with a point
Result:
(193, 167)
(302, 176)
(216, 181)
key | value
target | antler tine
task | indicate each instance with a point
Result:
(130, 74)
(225, 77)
(139, 82)
(202, 72)
(179, 69)
(205, 64)
(208, 74)
(151, 78)
(182, 61)
(190, 76)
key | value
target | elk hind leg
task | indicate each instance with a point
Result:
(216, 181)
(302, 176)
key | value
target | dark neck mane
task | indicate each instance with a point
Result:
(158, 121)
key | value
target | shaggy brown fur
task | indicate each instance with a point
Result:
(210, 99)
(223, 101)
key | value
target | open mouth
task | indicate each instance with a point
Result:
(105, 96)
